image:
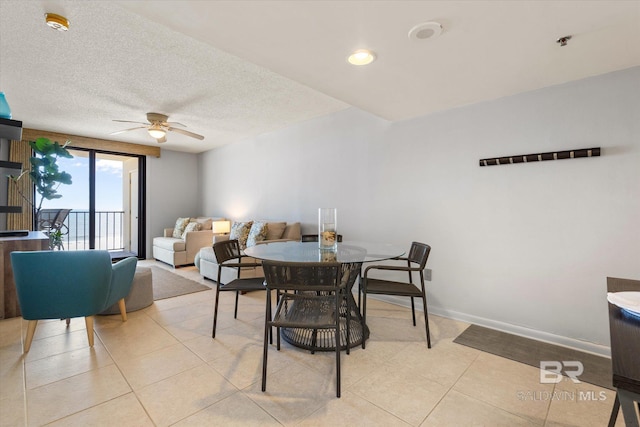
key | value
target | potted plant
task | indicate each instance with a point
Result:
(46, 177)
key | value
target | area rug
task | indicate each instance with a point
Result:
(167, 284)
(597, 369)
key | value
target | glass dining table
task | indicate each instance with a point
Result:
(351, 254)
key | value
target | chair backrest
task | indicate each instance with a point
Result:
(61, 284)
(58, 221)
(122, 274)
(307, 276)
(419, 253)
(226, 250)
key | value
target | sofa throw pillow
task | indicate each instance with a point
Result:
(258, 233)
(240, 231)
(205, 222)
(275, 231)
(192, 226)
(178, 229)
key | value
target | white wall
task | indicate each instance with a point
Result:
(173, 191)
(524, 248)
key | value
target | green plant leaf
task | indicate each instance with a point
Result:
(65, 178)
(61, 151)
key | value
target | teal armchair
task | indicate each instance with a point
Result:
(66, 284)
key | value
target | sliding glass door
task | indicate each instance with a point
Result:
(106, 201)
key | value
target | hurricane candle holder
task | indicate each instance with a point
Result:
(327, 234)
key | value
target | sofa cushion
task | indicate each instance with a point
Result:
(192, 226)
(178, 229)
(207, 254)
(170, 243)
(275, 230)
(292, 231)
(258, 233)
(240, 231)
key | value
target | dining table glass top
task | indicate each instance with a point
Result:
(345, 252)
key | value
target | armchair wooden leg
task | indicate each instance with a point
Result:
(31, 330)
(123, 310)
(89, 322)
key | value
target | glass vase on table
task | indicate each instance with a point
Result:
(327, 234)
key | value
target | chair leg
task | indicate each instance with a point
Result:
(235, 311)
(89, 323)
(614, 412)
(337, 332)
(364, 314)
(215, 312)
(123, 310)
(413, 311)
(68, 321)
(347, 300)
(265, 350)
(426, 320)
(31, 330)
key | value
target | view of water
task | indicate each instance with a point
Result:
(109, 231)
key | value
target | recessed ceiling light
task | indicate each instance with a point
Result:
(426, 30)
(361, 57)
(56, 22)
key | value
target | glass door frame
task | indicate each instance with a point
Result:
(142, 205)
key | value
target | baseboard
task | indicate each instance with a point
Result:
(573, 343)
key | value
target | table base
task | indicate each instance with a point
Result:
(324, 339)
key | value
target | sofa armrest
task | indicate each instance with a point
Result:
(168, 232)
(194, 240)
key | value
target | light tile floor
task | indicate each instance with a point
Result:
(162, 368)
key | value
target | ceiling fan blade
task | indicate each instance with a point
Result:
(161, 140)
(127, 130)
(186, 132)
(129, 121)
(175, 124)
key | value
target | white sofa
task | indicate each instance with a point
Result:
(208, 266)
(182, 251)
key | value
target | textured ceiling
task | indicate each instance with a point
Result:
(230, 70)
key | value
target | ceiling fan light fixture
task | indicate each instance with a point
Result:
(57, 22)
(361, 57)
(156, 132)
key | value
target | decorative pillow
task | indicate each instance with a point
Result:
(240, 231)
(178, 229)
(275, 230)
(258, 233)
(205, 222)
(192, 226)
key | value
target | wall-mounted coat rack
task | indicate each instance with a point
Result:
(539, 157)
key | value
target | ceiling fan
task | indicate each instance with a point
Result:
(158, 126)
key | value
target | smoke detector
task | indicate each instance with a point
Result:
(57, 22)
(426, 30)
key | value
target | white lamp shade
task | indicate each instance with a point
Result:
(157, 133)
(221, 227)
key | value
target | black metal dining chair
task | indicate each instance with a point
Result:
(228, 255)
(309, 297)
(416, 261)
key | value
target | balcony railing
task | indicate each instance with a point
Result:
(109, 230)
